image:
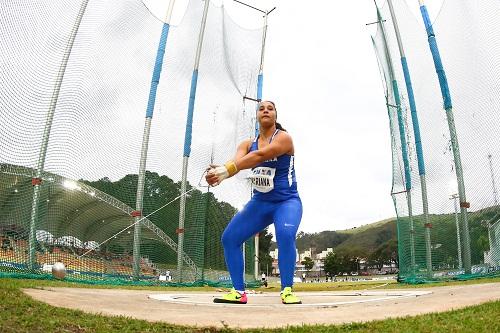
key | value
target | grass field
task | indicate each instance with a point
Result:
(20, 313)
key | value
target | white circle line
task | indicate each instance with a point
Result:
(174, 298)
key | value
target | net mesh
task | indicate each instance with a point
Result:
(468, 36)
(89, 176)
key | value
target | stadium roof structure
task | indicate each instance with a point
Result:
(74, 209)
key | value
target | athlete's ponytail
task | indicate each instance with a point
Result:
(278, 125)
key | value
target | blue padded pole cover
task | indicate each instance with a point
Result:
(414, 117)
(402, 136)
(189, 122)
(260, 81)
(157, 70)
(443, 82)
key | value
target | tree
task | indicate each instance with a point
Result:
(386, 253)
(205, 217)
(320, 241)
(332, 264)
(265, 240)
(483, 243)
(115, 248)
(308, 263)
(347, 262)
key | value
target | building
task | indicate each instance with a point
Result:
(274, 255)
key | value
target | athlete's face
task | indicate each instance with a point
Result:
(266, 114)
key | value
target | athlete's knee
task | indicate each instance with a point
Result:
(226, 238)
(286, 235)
(229, 239)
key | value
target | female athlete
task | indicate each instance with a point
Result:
(275, 200)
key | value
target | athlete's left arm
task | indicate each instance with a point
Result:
(281, 144)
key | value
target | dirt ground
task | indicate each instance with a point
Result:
(264, 309)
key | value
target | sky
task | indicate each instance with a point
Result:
(321, 71)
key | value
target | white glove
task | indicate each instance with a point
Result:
(221, 173)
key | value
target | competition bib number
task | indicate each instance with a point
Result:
(262, 179)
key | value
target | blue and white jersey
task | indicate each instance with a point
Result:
(274, 180)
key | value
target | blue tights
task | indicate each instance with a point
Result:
(256, 216)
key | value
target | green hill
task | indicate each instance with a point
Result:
(370, 239)
(358, 241)
(365, 240)
(365, 227)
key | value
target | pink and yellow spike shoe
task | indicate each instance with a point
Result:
(233, 297)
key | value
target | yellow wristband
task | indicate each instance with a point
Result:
(231, 168)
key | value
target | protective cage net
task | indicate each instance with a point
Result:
(76, 204)
(468, 36)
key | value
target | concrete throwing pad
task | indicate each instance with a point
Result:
(309, 300)
(266, 310)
